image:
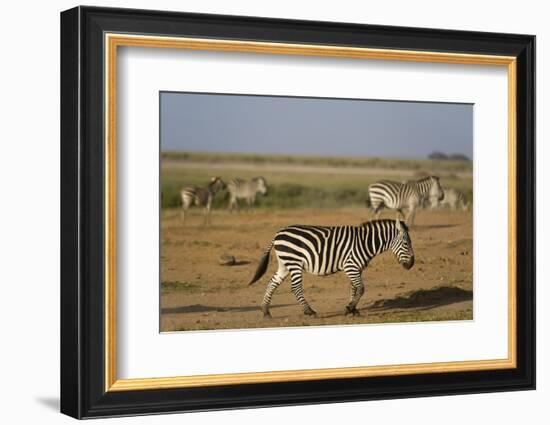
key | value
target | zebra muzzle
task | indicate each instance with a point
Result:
(408, 264)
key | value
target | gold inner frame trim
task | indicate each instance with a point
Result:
(113, 41)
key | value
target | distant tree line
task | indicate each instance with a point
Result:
(450, 157)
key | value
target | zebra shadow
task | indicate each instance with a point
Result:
(201, 308)
(424, 299)
(433, 226)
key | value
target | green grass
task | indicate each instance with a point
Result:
(176, 285)
(284, 192)
(293, 189)
(193, 288)
(373, 162)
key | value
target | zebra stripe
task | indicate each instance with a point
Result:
(321, 251)
(242, 189)
(201, 197)
(398, 196)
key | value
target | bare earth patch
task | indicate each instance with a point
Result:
(197, 293)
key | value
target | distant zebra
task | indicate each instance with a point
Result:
(201, 197)
(242, 189)
(454, 199)
(326, 250)
(397, 196)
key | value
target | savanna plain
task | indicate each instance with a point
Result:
(197, 292)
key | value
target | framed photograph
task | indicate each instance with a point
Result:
(261, 212)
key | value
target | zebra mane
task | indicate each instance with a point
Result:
(216, 183)
(431, 177)
(214, 180)
(386, 220)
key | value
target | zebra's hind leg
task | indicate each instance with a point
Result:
(357, 290)
(272, 286)
(298, 291)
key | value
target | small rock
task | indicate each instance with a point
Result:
(226, 260)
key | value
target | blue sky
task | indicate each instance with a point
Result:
(313, 126)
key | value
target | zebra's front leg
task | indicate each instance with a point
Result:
(251, 202)
(411, 215)
(182, 216)
(272, 286)
(356, 292)
(233, 205)
(352, 293)
(207, 214)
(298, 291)
(376, 211)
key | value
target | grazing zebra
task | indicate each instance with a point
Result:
(201, 197)
(242, 189)
(453, 198)
(326, 250)
(397, 196)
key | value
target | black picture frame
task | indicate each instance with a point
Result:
(82, 212)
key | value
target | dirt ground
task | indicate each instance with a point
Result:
(197, 293)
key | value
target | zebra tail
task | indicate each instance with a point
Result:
(262, 267)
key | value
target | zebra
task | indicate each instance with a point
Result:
(397, 196)
(200, 196)
(322, 251)
(454, 199)
(242, 189)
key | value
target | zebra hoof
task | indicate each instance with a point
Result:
(352, 310)
(267, 314)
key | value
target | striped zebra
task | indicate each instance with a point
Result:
(201, 197)
(397, 196)
(242, 189)
(323, 251)
(454, 199)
